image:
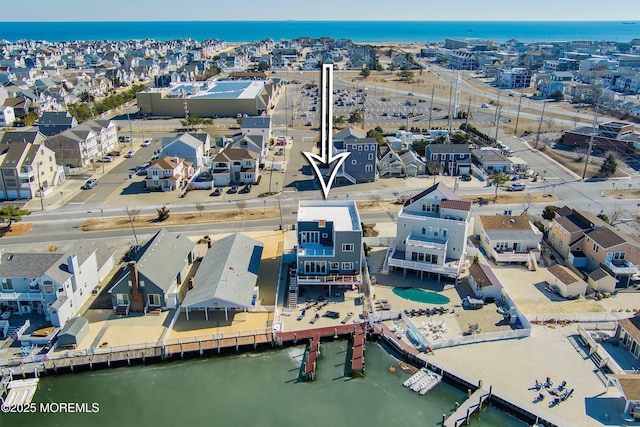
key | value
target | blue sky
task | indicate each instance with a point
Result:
(225, 10)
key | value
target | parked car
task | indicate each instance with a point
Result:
(125, 138)
(115, 153)
(485, 106)
(216, 192)
(465, 177)
(92, 182)
(385, 114)
(106, 159)
(517, 187)
(146, 143)
(233, 189)
(246, 189)
(309, 124)
(130, 154)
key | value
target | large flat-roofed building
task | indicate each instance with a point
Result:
(221, 98)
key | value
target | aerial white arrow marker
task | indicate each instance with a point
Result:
(326, 137)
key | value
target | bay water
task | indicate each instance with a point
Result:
(250, 389)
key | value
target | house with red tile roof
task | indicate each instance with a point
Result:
(431, 234)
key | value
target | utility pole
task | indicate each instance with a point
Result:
(286, 113)
(497, 121)
(518, 115)
(495, 117)
(450, 95)
(595, 123)
(433, 88)
(466, 123)
(540, 124)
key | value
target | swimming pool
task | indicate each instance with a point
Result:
(418, 295)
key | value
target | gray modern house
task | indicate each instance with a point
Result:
(227, 277)
(454, 159)
(360, 166)
(329, 250)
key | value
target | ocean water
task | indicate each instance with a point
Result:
(251, 389)
(359, 31)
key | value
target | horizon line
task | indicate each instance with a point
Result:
(323, 20)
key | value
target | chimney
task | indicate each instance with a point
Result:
(133, 268)
(72, 264)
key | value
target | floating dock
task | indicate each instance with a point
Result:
(20, 392)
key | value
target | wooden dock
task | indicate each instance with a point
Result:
(472, 404)
(311, 356)
(357, 356)
(20, 392)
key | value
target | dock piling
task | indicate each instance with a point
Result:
(457, 405)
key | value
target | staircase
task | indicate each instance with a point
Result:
(293, 290)
(343, 174)
(122, 310)
(154, 311)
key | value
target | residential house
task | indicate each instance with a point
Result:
(52, 123)
(252, 143)
(75, 147)
(329, 251)
(153, 280)
(7, 116)
(186, 147)
(31, 137)
(508, 238)
(106, 134)
(360, 165)
(55, 285)
(431, 234)
(235, 166)
(413, 164)
(492, 161)
(565, 281)
(259, 126)
(617, 253)
(168, 173)
(389, 162)
(483, 282)
(513, 78)
(226, 278)
(628, 384)
(628, 333)
(25, 168)
(567, 227)
(454, 159)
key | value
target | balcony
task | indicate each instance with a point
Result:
(26, 174)
(509, 256)
(332, 279)
(20, 296)
(396, 259)
(436, 243)
(319, 251)
(621, 267)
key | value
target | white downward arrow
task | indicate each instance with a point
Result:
(326, 136)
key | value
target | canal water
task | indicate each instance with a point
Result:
(250, 389)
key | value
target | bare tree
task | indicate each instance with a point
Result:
(549, 121)
(241, 205)
(133, 213)
(616, 216)
(527, 201)
(200, 208)
(580, 153)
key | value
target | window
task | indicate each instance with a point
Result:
(314, 267)
(309, 237)
(444, 232)
(347, 266)
(354, 162)
(617, 256)
(7, 285)
(424, 230)
(368, 168)
(370, 157)
(334, 266)
(347, 247)
(595, 247)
